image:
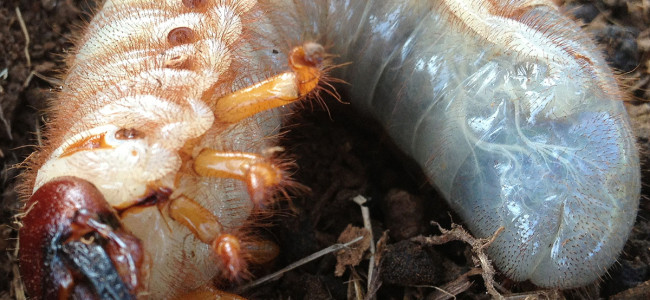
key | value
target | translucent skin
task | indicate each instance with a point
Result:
(513, 115)
(519, 125)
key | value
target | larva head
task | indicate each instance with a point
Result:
(72, 245)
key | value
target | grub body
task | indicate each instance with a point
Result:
(508, 108)
(511, 111)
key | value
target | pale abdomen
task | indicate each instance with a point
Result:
(515, 118)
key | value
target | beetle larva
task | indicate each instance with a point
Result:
(517, 123)
(513, 114)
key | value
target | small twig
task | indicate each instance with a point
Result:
(17, 284)
(453, 288)
(24, 28)
(3, 75)
(6, 123)
(28, 79)
(37, 127)
(299, 263)
(57, 83)
(478, 247)
(375, 280)
(355, 288)
(365, 213)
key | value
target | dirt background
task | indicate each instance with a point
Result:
(340, 157)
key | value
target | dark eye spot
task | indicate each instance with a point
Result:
(180, 36)
(128, 134)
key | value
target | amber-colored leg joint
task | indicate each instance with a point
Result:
(203, 224)
(206, 227)
(306, 72)
(260, 175)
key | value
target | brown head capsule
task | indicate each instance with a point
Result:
(72, 245)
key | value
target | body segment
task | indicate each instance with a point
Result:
(507, 106)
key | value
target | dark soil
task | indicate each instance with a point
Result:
(338, 158)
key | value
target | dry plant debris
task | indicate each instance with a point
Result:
(478, 248)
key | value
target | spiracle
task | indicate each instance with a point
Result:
(517, 123)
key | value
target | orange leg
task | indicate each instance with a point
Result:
(205, 226)
(259, 174)
(227, 247)
(306, 71)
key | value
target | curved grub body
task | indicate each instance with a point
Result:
(509, 109)
(513, 114)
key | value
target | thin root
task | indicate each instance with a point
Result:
(26, 34)
(457, 233)
(3, 75)
(365, 213)
(6, 123)
(305, 260)
(451, 289)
